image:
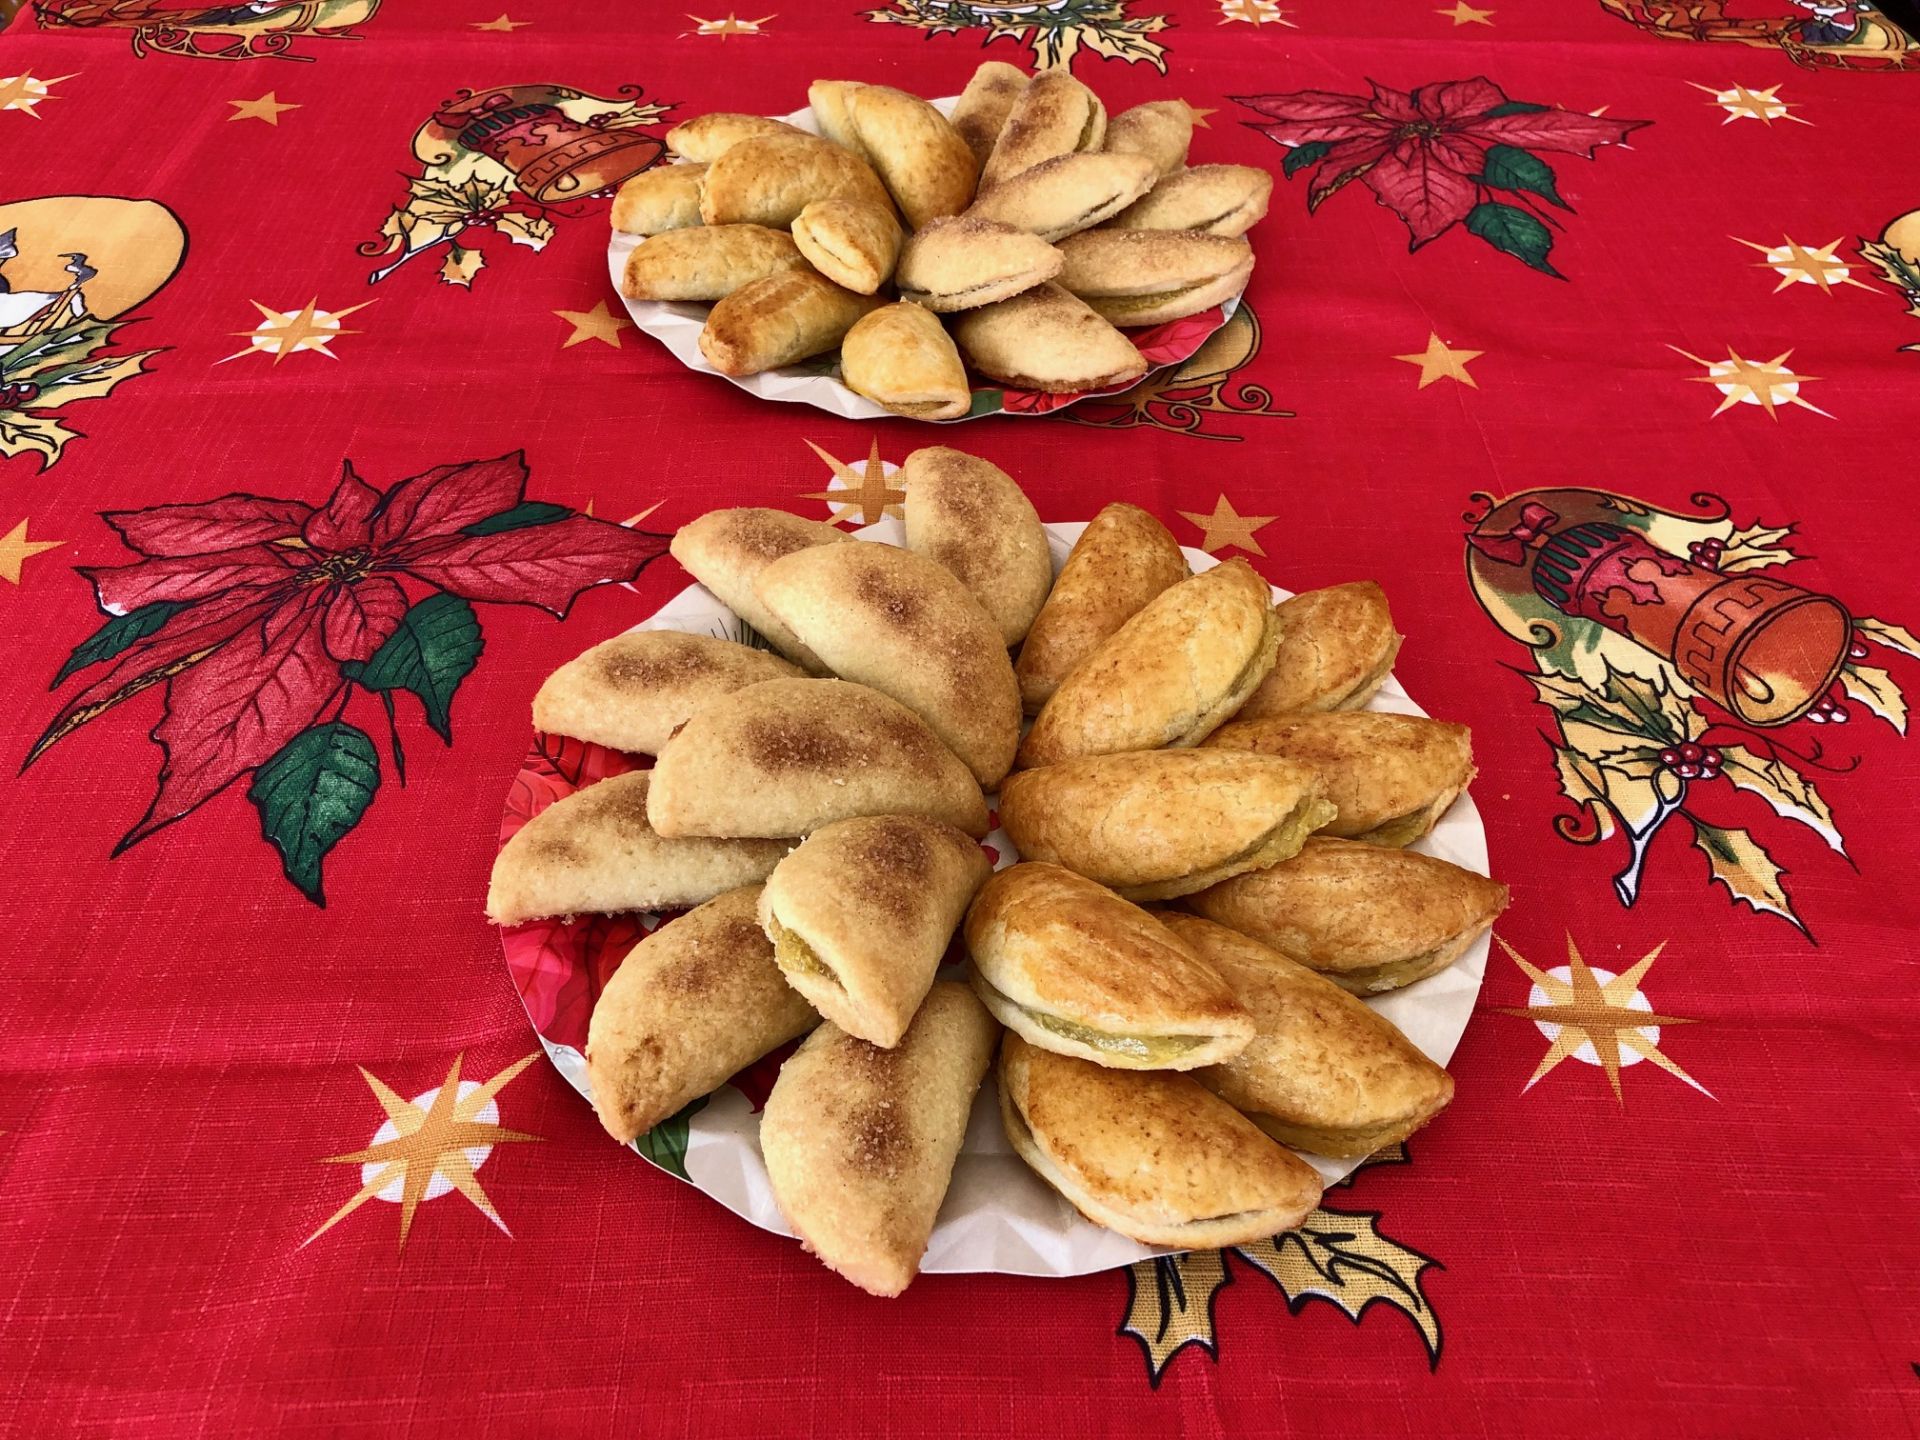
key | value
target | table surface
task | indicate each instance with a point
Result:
(323, 440)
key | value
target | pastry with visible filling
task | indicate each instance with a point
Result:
(852, 243)
(1337, 647)
(1045, 339)
(963, 262)
(1219, 199)
(1147, 277)
(901, 357)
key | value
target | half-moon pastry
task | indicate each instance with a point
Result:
(693, 1003)
(1336, 648)
(1219, 199)
(1168, 676)
(1161, 130)
(1154, 1156)
(1325, 1073)
(832, 105)
(632, 691)
(902, 624)
(1153, 824)
(900, 356)
(860, 916)
(594, 853)
(919, 156)
(1072, 967)
(963, 262)
(785, 757)
(1059, 196)
(1055, 115)
(1047, 340)
(1147, 277)
(1121, 561)
(861, 1142)
(1392, 776)
(771, 179)
(852, 243)
(665, 198)
(778, 320)
(1368, 919)
(725, 550)
(967, 514)
(705, 138)
(981, 112)
(707, 262)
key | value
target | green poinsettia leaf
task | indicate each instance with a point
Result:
(434, 649)
(117, 634)
(1515, 107)
(666, 1143)
(1514, 232)
(1301, 156)
(1508, 167)
(520, 517)
(311, 793)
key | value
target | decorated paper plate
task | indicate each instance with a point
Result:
(817, 382)
(998, 1215)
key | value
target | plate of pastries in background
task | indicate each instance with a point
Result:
(1010, 249)
(971, 893)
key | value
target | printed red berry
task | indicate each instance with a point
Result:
(1856, 651)
(1669, 758)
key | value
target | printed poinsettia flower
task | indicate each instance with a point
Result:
(1436, 156)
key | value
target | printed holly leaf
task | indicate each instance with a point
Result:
(1583, 782)
(527, 512)
(461, 266)
(1515, 107)
(70, 344)
(1514, 232)
(1170, 1305)
(1301, 156)
(1128, 42)
(1508, 168)
(666, 1144)
(1341, 1257)
(437, 644)
(1790, 793)
(310, 794)
(533, 231)
(90, 382)
(1735, 859)
(21, 432)
(1874, 688)
(1892, 636)
(1756, 547)
(117, 634)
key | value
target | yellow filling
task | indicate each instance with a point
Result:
(1137, 1047)
(796, 957)
(1401, 830)
(1129, 304)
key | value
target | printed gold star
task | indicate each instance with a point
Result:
(267, 108)
(732, 25)
(1464, 14)
(1200, 113)
(1746, 382)
(1596, 1020)
(863, 495)
(1740, 103)
(23, 92)
(427, 1146)
(281, 333)
(1254, 12)
(503, 25)
(1226, 528)
(16, 549)
(1795, 264)
(1439, 362)
(594, 324)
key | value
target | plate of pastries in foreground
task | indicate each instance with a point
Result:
(1010, 249)
(970, 893)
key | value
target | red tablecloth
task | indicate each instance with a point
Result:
(314, 402)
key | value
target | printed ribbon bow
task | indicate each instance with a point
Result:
(1534, 527)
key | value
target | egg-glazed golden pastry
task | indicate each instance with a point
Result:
(666, 198)
(707, 262)
(919, 156)
(981, 112)
(1161, 130)
(705, 138)
(1054, 115)
(725, 550)
(1337, 646)
(901, 357)
(776, 321)
(852, 243)
(832, 105)
(967, 514)
(771, 179)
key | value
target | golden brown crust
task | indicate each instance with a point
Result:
(902, 624)
(1325, 1072)
(707, 262)
(1121, 561)
(1054, 115)
(1161, 130)
(1168, 676)
(771, 179)
(693, 1003)
(785, 757)
(874, 900)
(726, 549)
(1368, 918)
(852, 243)
(630, 692)
(778, 320)
(705, 138)
(981, 112)
(1147, 277)
(666, 198)
(964, 262)
(1392, 776)
(1336, 647)
(860, 1142)
(1219, 199)
(1065, 194)
(595, 853)
(967, 514)
(927, 168)
(1153, 1156)
(1045, 339)
(900, 356)
(831, 101)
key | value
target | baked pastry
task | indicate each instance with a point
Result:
(725, 549)
(779, 320)
(1055, 115)
(1153, 824)
(695, 1002)
(920, 157)
(1154, 1156)
(1147, 277)
(1046, 340)
(966, 514)
(1122, 560)
(1336, 648)
(705, 138)
(1392, 776)
(1219, 199)
(861, 914)
(1325, 1073)
(964, 262)
(664, 198)
(832, 101)
(852, 243)
(1161, 130)
(771, 179)
(1065, 194)
(707, 262)
(1168, 676)
(900, 623)
(982, 109)
(861, 1142)
(785, 757)
(900, 356)
(1072, 967)
(632, 691)
(594, 853)
(1368, 919)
